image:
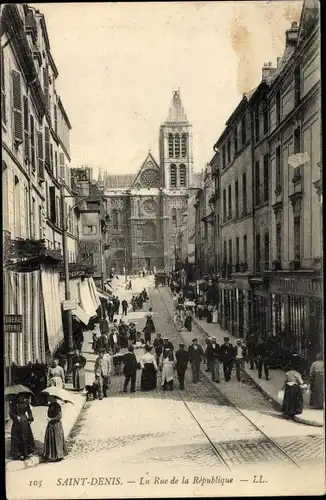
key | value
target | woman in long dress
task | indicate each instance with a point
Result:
(54, 440)
(167, 363)
(317, 382)
(78, 371)
(188, 320)
(56, 374)
(22, 440)
(209, 317)
(149, 370)
(215, 315)
(293, 399)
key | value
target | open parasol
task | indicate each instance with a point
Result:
(13, 390)
(59, 393)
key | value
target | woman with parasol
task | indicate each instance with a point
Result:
(54, 440)
(22, 440)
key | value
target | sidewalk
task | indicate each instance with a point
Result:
(270, 387)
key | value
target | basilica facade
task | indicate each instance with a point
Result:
(147, 210)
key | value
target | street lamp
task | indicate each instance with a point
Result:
(64, 218)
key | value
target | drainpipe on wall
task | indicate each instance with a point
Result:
(253, 211)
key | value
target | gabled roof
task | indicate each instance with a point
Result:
(118, 180)
(148, 164)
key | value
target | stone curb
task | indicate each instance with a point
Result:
(297, 418)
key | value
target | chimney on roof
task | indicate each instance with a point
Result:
(267, 70)
(291, 35)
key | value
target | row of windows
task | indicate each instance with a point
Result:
(177, 145)
(262, 247)
(174, 181)
(261, 121)
(227, 207)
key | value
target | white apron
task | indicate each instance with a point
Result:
(167, 371)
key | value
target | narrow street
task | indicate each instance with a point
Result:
(226, 428)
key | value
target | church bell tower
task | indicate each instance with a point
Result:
(176, 156)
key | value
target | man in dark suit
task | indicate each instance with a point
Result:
(158, 346)
(130, 369)
(227, 355)
(196, 355)
(182, 358)
(167, 344)
(213, 363)
(263, 357)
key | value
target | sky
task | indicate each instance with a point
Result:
(119, 64)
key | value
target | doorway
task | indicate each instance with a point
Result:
(148, 263)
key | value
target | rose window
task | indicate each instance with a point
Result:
(149, 207)
(150, 178)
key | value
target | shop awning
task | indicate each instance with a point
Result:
(104, 295)
(81, 315)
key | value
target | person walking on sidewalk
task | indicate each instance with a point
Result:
(182, 357)
(54, 441)
(240, 357)
(263, 358)
(110, 311)
(227, 357)
(252, 342)
(196, 355)
(130, 369)
(158, 346)
(213, 355)
(207, 343)
(102, 370)
(102, 343)
(78, 371)
(167, 364)
(117, 305)
(124, 304)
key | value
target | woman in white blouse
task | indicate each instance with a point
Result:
(149, 370)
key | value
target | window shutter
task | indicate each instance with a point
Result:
(52, 204)
(46, 86)
(17, 107)
(40, 150)
(32, 133)
(47, 146)
(51, 157)
(3, 89)
(55, 119)
(62, 166)
(26, 129)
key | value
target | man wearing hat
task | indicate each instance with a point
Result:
(227, 355)
(158, 346)
(167, 344)
(240, 357)
(212, 355)
(196, 355)
(182, 358)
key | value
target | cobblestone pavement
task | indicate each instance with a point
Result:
(199, 427)
(302, 443)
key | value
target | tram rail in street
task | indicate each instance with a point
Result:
(278, 449)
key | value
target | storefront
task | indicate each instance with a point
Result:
(242, 295)
(227, 305)
(260, 307)
(297, 313)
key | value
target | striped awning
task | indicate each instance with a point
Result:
(52, 307)
(104, 295)
(81, 315)
(23, 296)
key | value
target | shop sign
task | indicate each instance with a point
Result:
(69, 305)
(13, 323)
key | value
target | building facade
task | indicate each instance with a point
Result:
(267, 169)
(35, 133)
(146, 210)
